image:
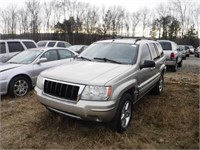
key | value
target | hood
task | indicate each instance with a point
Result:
(8, 66)
(85, 72)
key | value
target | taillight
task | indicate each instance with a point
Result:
(172, 56)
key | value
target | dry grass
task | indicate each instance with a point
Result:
(168, 121)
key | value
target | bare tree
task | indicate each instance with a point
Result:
(48, 8)
(33, 7)
(91, 20)
(5, 20)
(182, 7)
(23, 20)
(135, 19)
(145, 13)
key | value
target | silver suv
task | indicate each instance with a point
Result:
(9, 48)
(104, 82)
(173, 54)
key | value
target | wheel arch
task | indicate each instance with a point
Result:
(19, 75)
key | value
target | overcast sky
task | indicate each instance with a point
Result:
(129, 5)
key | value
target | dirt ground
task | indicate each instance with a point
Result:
(167, 121)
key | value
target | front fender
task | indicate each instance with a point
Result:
(121, 89)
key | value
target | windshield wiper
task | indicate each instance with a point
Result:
(107, 59)
(85, 58)
(13, 62)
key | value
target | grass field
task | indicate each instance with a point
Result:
(167, 121)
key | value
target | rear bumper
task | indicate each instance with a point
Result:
(170, 62)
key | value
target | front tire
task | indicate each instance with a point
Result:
(123, 115)
(19, 86)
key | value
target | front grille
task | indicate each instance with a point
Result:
(61, 90)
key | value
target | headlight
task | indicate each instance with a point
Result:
(40, 82)
(96, 93)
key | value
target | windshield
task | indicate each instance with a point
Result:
(112, 52)
(25, 57)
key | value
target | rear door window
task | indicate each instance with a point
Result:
(2, 48)
(15, 47)
(153, 51)
(64, 54)
(29, 44)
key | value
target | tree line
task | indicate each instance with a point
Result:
(82, 23)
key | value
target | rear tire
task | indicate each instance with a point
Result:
(123, 114)
(180, 63)
(175, 67)
(159, 86)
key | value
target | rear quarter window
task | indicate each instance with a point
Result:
(29, 44)
(61, 44)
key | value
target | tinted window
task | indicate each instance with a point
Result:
(29, 44)
(51, 44)
(145, 54)
(15, 47)
(2, 48)
(50, 55)
(60, 44)
(166, 45)
(65, 54)
(41, 44)
(153, 51)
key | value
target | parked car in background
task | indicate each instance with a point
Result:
(53, 43)
(172, 52)
(19, 74)
(78, 48)
(191, 48)
(183, 51)
(104, 81)
(197, 52)
(187, 50)
(9, 48)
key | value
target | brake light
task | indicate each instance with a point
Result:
(172, 56)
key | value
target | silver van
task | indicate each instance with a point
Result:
(9, 48)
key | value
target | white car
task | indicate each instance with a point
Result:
(9, 48)
(19, 74)
(53, 43)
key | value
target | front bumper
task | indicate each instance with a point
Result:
(101, 111)
(3, 87)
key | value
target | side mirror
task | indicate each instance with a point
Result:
(41, 60)
(75, 56)
(148, 64)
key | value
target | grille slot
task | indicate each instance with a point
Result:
(60, 90)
